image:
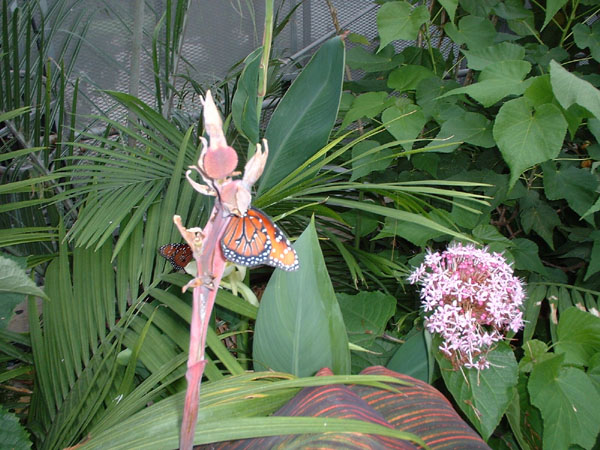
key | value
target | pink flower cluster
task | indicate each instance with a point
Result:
(471, 299)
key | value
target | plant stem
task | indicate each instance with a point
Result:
(210, 266)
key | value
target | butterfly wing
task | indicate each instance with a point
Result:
(253, 239)
(179, 255)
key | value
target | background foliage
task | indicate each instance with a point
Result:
(493, 139)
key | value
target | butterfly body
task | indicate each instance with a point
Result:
(249, 240)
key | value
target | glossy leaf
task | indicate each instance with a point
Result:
(300, 328)
(303, 120)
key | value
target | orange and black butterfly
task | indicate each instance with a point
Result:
(249, 240)
(253, 239)
(179, 255)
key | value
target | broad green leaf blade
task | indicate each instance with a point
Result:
(406, 78)
(300, 328)
(483, 57)
(476, 32)
(450, 7)
(569, 89)
(366, 314)
(552, 7)
(578, 336)
(577, 186)
(469, 127)
(12, 434)
(527, 135)
(594, 265)
(13, 279)
(588, 37)
(539, 216)
(399, 20)
(568, 402)
(483, 395)
(412, 358)
(496, 82)
(404, 121)
(303, 120)
(244, 107)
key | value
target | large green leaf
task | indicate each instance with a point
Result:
(400, 20)
(404, 121)
(476, 32)
(568, 402)
(13, 279)
(526, 135)
(569, 89)
(483, 57)
(303, 120)
(496, 81)
(469, 127)
(412, 358)
(483, 395)
(366, 314)
(552, 7)
(578, 336)
(244, 106)
(588, 37)
(300, 328)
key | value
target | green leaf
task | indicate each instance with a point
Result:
(552, 7)
(450, 7)
(578, 336)
(470, 127)
(497, 81)
(406, 78)
(399, 20)
(12, 434)
(527, 136)
(303, 120)
(594, 265)
(538, 216)
(404, 121)
(244, 106)
(568, 402)
(366, 105)
(429, 96)
(476, 32)
(539, 91)
(483, 395)
(569, 89)
(483, 57)
(414, 233)
(577, 186)
(478, 7)
(300, 328)
(360, 58)
(526, 254)
(412, 358)
(14, 279)
(588, 37)
(366, 314)
(365, 161)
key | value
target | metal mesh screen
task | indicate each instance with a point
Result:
(218, 34)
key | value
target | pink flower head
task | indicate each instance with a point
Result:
(471, 299)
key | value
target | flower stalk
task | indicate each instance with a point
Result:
(216, 166)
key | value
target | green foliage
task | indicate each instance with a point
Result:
(12, 434)
(493, 141)
(310, 332)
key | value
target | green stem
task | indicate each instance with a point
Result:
(264, 61)
(565, 31)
